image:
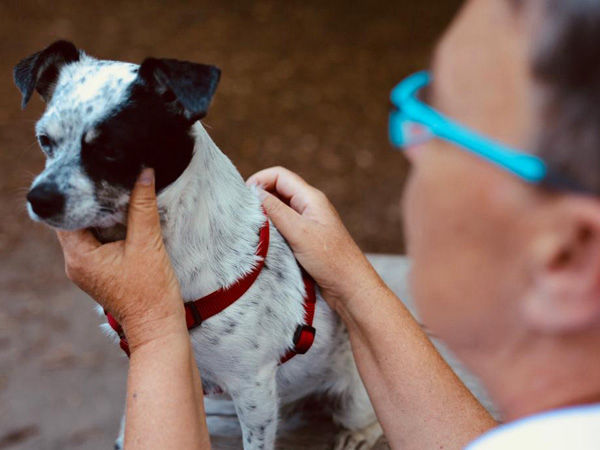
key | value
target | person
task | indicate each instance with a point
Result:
(505, 267)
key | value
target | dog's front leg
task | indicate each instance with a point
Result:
(256, 405)
(120, 441)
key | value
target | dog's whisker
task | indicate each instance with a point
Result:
(20, 190)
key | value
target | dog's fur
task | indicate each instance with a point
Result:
(106, 120)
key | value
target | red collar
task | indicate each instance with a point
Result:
(198, 311)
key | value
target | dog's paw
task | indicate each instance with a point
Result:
(351, 440)
(221, 418)
(363, 439)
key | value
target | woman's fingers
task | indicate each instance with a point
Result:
(287, 185)
(78, 241)
(77, 247)
(285, 219)
(279, 179)
(143, 223)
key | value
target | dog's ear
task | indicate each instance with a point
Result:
(192, 85)
(40, 70)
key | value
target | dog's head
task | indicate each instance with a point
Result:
(104, 122)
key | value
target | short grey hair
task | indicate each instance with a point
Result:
(566, 67)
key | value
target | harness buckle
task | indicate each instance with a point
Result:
(303, 338)
(192, 315)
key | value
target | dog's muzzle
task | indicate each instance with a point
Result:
(46, 200)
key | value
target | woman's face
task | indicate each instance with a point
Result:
(467, 225)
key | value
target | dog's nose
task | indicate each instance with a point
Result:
(46, 200)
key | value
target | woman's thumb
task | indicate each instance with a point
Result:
(143, 221)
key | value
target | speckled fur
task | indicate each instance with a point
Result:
(210, 221)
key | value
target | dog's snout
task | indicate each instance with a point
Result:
(46, 200)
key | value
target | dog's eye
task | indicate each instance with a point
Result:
(46, 143)
(44, 140)
(110, 154)
(168, 96)
(100, 150)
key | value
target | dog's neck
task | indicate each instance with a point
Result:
(210, 221)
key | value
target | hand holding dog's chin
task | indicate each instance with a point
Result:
(319, 239)
(132, 279)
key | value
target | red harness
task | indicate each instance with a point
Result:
(202, 309)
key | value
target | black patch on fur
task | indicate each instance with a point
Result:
(144, 133)
(152, 129)
(230, 327)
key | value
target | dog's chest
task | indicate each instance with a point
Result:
(258, 328)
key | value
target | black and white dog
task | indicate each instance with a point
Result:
(104, 122)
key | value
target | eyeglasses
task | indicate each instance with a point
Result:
(413, 122)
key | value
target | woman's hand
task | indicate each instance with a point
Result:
(132, 279)
(317, 235)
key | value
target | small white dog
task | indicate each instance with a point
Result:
(104, 122)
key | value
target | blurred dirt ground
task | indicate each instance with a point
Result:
(304, 85)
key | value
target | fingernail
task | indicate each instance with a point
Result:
(147, 177)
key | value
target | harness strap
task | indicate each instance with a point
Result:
(305, 333)
(199, 310)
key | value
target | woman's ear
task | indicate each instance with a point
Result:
(564, 293)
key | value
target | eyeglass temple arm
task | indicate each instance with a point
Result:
(526, 166)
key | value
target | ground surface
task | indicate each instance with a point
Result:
(305, 85)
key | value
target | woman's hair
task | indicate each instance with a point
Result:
(566, 67)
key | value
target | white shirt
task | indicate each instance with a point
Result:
(566, 429)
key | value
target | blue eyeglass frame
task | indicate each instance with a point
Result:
(410, 110)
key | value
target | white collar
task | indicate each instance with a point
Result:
(570, 428)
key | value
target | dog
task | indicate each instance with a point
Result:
(105, 121)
